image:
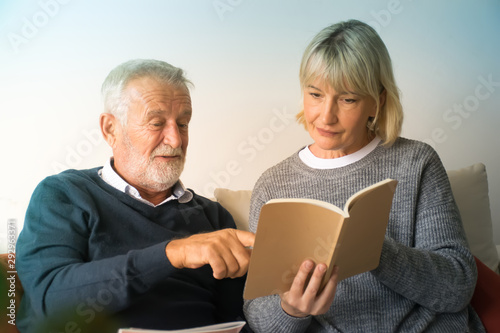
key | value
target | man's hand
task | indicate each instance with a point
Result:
(226, 251)
(303, 298)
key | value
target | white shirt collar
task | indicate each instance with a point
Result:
(109, 175)
(332, 163)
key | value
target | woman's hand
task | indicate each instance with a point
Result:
(303, 298)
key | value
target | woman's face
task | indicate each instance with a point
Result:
(336, 120)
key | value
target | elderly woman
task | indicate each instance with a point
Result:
(352, 111)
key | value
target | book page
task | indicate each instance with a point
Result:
(233, 327)
(364, 231)
(316, 202)
(390, 183)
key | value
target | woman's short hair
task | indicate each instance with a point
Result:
(117, 103)
(351, 56)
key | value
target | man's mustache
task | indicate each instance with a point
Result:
(167, 150)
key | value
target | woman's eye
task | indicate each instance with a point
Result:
(315, 95)
(349, 100)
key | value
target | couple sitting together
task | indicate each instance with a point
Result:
(128, 245)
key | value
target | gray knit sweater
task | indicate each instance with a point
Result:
(426, 275)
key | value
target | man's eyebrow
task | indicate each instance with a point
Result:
(155, 112)
(159, 112)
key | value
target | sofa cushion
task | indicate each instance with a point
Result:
(470, 189)
(237, 203)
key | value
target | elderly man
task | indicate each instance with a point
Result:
(127, 244)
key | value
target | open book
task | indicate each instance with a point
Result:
(293, 230)
(232, 327)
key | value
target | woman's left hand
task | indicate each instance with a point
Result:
(304, 298)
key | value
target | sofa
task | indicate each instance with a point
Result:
(470, 189)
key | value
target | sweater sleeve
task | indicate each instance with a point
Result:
(54, 267)
(439, 261)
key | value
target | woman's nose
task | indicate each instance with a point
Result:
(329, 112)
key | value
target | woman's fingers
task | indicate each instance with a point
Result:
(305, 297)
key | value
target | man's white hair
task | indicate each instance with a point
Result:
(116, 103)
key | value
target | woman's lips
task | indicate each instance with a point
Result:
(326, 133)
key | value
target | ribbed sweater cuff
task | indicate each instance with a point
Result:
(151, 264)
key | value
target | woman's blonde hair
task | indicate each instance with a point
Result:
(351, 56)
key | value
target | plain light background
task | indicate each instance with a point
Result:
(243, 57)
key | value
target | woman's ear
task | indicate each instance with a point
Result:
(381, 100)
(109, 128)
(382, 97)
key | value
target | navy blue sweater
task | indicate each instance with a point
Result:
(92, 258)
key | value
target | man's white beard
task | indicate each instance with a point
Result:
(151, 173)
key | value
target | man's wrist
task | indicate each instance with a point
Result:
(172, 253)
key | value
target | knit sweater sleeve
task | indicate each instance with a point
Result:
(53, 262)
(439, 261)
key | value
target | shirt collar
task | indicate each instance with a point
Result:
(332, 163)
(109, 175)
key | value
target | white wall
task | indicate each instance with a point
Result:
(243, 57)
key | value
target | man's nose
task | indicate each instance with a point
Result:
(172, 136)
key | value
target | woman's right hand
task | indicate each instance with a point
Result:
(304, 298)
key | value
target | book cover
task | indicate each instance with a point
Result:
(293, 230)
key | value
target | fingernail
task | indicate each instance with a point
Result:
(321, 268)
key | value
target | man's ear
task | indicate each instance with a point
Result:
(109, 128)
